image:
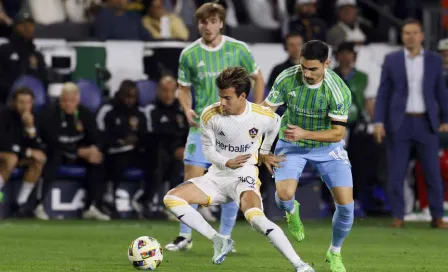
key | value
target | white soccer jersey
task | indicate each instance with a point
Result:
(225, 137)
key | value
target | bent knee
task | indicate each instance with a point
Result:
(286, 193)
(10, 160)
(170, 201)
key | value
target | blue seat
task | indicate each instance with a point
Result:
(91, 96)
(147, 91)
(134, 174)
(36, 86)
(71, 171)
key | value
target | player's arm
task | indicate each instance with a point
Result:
(268, 159)
(208, 138)
(275, 97)
(248, 62)
(184, 94)
(333, 135)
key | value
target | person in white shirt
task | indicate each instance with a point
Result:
(231, 132)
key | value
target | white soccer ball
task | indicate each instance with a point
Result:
(145, 253)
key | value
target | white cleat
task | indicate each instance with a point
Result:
(304, 267)
(222, 246)
(179, 244)
(40, 213)
(94, 213)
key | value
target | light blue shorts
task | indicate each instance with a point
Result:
(331, 161)
(193, 154)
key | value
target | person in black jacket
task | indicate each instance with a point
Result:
(20, 143)
(168, 131)
(20, 57)
(124, 130)
(70, 133)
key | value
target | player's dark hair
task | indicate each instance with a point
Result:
(236, 77)
(21, 91)
(412, 21)
(315, 50)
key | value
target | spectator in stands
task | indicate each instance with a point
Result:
(8, 10)
(293, 45)
(70, 133)
(19, 56)
(20, 144)
(443, 49)
(359, 140)
(114, 22)
(162, 24)
(168, 130)
(124, 129)
(348, 28)
(306, 22)
(411, 97)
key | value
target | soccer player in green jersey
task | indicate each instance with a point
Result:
(312, 130)
(199, 65)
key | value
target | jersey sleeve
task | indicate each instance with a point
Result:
(208, 138)
(276, 96)
(184, 74)
(271, 133)
(340, 100)
(248, 60)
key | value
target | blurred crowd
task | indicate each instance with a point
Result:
(121, 134)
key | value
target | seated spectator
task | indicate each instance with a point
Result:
(163, 25)
(82, 11)
(168, 130)
(347, 29)
(306, 22)
(124, 129)
(293, 45)
(69, 131)
(114, 22)
(19, 56)
(20, 144)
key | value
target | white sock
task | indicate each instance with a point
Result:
(188, 215)
(334, 249)
(274, 233)
(2, 182)
(185, 235)
(25, 191)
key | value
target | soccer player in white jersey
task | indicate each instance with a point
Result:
(199, 65)
(231, 132)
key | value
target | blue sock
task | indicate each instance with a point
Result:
(286, 206)
(185, 230)
(342, 223)
(229, 212)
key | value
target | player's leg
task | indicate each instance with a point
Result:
(30, 179)
(198, 191)
(336, 173)
(8, 161)
(286, 180)
(251, 205)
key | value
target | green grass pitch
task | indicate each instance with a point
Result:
(102, 246)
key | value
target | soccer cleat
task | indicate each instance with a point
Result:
(40, 213)
(304, 267)
(222, 246)
(295, 225)
(94, 213)
(335, 261)
(179, 244)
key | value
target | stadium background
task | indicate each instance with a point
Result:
(73, 53)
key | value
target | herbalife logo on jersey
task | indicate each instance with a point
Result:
(233, 148)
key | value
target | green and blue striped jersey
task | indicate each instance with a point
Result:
(310, 107)
(199, 65)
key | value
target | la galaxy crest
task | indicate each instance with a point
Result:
(253, 132)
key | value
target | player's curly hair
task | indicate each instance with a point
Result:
(234, 77)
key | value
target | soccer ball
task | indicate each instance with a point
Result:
(145, 253)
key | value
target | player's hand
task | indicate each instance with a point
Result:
(238, 162)
(28, 119)
(294, 133)
(179, 153)
(379, 133)
(191, 115)
(38, 155)
(271, 161)
(443, 127)
(95, 156)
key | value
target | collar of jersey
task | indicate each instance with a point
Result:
(212, 49)
(245, 113)
(317, 85)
